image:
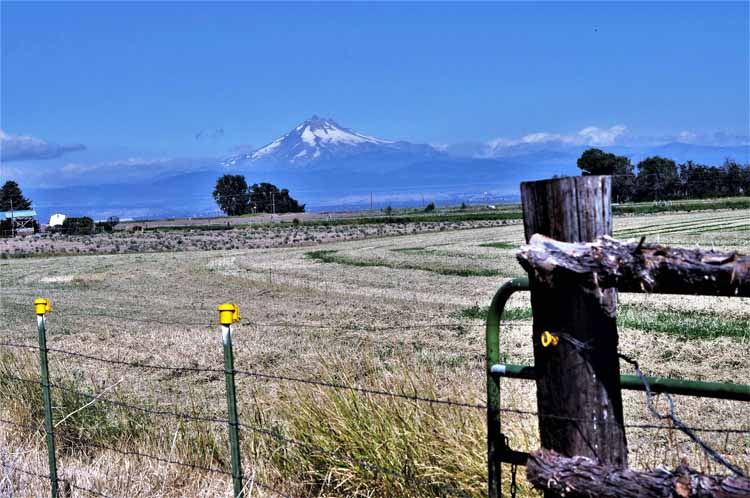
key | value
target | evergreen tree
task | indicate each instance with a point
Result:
(11, 198)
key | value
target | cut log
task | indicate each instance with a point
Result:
(635, 267)
(582, 477)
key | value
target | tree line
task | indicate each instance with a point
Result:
(12, 199)
(235, 198)
(658, 178)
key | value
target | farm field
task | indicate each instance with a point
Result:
(259, 236)
(397, 309)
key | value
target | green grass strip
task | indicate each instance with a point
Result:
(477, 312)
(688, 324)
(685, 324)
(500, 245)
(687, 205)
(330, 256)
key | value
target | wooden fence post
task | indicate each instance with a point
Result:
(578, 379)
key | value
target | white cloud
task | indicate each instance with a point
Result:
(132, 163)
(129, 170)
(687, 136)
(24, 148)
(718, 138)
(598, 136)
(591, 135)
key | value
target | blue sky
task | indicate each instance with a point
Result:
(107, 83)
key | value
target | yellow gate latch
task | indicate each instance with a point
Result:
(549, 339)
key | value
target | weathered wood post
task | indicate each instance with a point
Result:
(578, 379)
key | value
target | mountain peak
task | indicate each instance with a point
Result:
(319, 138)
(317, 120)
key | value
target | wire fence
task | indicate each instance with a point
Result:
(103, 397)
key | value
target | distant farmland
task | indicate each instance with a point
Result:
(394, 307)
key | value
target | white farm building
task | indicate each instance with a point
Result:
(56, 220)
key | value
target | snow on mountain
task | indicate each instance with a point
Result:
(319, 139)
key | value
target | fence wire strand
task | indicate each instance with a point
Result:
(367, 465)
(447, 402)
(679, 424)
(66, 481)
(253, 323)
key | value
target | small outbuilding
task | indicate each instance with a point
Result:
(56, 220)
(18, 222)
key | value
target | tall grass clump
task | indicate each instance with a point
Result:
(84, 425)
(366, 445)
(78, 421)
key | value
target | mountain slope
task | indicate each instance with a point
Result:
(318, 140)
(325, 166)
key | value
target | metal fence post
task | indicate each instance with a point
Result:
(228, 314)
(41, 308)
(497, 450)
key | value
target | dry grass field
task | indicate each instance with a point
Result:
(169, 239)
(400, 312)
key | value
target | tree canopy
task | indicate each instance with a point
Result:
(267, 198)
(234, 197)
(11, 198)
(231, 194)
(598, 162)
(660, 178)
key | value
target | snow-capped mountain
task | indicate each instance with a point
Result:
(320, 139)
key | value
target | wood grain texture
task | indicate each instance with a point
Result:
(581, 477)
(578, 389)
(631, 267)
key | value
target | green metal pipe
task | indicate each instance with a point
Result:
(496, 446)
(719, 390)
(234, 437)
(48, 427)
(497, 449)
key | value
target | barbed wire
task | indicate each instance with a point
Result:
(379, 392)
(368, 465)
(19, 345)
(333, 385)
(280, 324)
(449, 402)
(24, 471)
(101, 446)
(151, 411)
(85, 490)
(68, 482)
(411, 397)
(715, 455)
(28, 428)
(625, 425)
(258, 430)
(587, 347)
(274, 434)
